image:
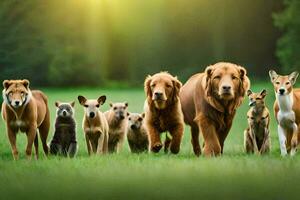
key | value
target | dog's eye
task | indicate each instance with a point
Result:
(258, 98)
(152, 85)
(129, 118)
(168, 86)
(97, 105)
(140, 119)
(86, 106)
(234, 77)
(287, 83)
(115, 108)
(277, 83)
(217, 77)
(22, 93)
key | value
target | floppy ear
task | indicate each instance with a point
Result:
(6, 84)
(245, 83)
(147, 87)
(25, 82)
(208, 87)
(57, 103)
(249, 92)
(72, 104)
(273, 75)
(263, 93)
(293, 77)
(177, 85)
(81, 99)
(126, 104)
(101, 100)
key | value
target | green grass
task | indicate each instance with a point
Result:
(235, 175)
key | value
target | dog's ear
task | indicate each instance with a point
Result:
(25, 82)
(273, 75)
(177, 85)
(57, 103)
(81, 99)
(147, 86)
(249, 92)
(293, 77)
(101, 100)
(126, 104)
(208, 86)
(244, 81)
(6, 84)
(72, 104)
(263, 93)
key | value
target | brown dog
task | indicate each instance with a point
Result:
(209, 102)
(163, 111)
(94, 125)
(257, 135)
(117, 120)
(26, 111)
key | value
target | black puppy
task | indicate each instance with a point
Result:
(64, 139)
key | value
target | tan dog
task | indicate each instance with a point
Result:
(257, 136)
(209, 102)
(287, 111)
(94, 125)
(116, 118)
(137, 135)
(26, 111)
(163, 111)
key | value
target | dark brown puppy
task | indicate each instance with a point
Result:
(26, 111)
(163, 110)
(209, 102)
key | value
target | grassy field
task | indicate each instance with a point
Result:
(235, 175)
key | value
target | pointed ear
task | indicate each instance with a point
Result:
(293, 77)
(6, 84)
(249, 92)
(81, 99)
(147, 87)
(126, 104)
(143, 115)
(72, 103)
(177, 85)
(25, 82)
(57, 103)
(273, 75)
(101, 100)
(263, 93)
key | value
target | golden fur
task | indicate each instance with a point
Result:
(26, 111)
(94, 126)
(257, 135)
(163, 111)
(209, 102)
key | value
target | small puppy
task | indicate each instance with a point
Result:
(136, 134)
(64, 139)
(116, 118)
(257, 136)
(94, 125)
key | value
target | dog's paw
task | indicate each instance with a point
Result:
(156, 147)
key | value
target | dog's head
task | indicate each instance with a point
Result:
(135, 120)
(65, 110)
(162, 89)
(16, 93)
(256, 99)
(91, 106)
(119, 110)
(283, 85)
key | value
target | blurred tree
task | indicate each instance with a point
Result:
(288, 46)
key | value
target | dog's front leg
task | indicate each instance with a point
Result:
(88, 144)
(253, 138)
(154, 138)
(100, 143)
(294, 141)
(31, 133)
(282, 140)
(266, 143)
(12, 139)
(176, 133)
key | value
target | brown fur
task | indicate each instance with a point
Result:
(163, 111)
(208, 107)
(29, 117)
(137, 135)
(117, 126)
(96, 127)
(257, 136)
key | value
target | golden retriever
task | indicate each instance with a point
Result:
(209, 102)
(163, 111)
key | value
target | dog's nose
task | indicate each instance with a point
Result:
(281, 91)
(133, 126)
(64, 113)
(92, 115)
(226, 87)
(158, 94)
(17, 103)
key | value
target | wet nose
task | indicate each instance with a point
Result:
(17, 103)
(158, 94)
(64, 113)
(133, 126)
(281, 91)
(92, 115)
(226, 87)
